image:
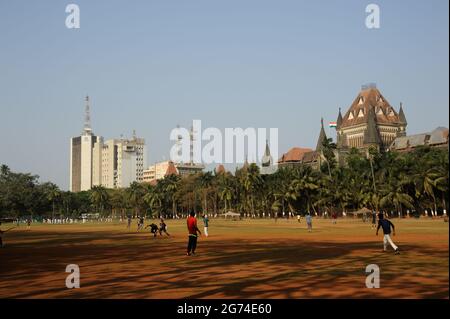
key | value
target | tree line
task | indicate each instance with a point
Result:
(416, 181)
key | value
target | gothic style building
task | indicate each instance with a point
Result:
(370, 121)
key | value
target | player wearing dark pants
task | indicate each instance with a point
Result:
(140, 223)
(153, 229)
(163, 228)
(374, 219)
(387, 225)
(1, 234)
(193, 231)
(129, 222)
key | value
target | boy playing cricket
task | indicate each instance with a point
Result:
(386, 225)
(193, 231)
(153, 229)
(163, 228)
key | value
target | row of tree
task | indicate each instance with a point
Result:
(414, 181)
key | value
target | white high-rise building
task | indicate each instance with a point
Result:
(81, 156)
(119, 162)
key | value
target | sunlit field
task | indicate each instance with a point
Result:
(240, 259)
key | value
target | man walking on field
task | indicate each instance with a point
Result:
(386, 225)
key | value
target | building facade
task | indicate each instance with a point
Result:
(119, 162)
(160, 170)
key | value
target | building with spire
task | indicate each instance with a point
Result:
(81, 155)
(307, 156)
(370, 121)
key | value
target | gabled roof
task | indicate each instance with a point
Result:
(295, 154)
(439, 136)
(367, 98)
(435, 137)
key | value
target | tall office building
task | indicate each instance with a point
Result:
(81, 155)
(119, 162)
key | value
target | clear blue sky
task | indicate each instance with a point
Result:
(150, 65)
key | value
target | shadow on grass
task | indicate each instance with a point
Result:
(130, 265)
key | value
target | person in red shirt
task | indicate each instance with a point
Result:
(193, 231)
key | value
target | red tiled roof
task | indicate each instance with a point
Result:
(171, 170)
(220, 169)
(295, 154)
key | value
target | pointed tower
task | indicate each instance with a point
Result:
(322, 137)
(402, 121)
(266, 160)
(371, 134)
(339, 135)
(339, 120)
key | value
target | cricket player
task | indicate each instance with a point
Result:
(163, 228)
(205, 224)
(193, 231)
(308, 219)
(387, 225)
(374, 219)
(129, 222)
(153, 229)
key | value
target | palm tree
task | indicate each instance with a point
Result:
(170, 186)
(426, 184)
(304, 184)
(226, 190)
(135, 194)
(99, 197)
(393, 193)
(205, 181)
(154, 198)
(328, 147)
(117, 200)
(53, 194)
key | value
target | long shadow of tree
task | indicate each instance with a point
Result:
(133, 266)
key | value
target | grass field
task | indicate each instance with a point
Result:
(240, 259)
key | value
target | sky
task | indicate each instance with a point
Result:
(150, 65)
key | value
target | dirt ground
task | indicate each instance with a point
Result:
(240, 259)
